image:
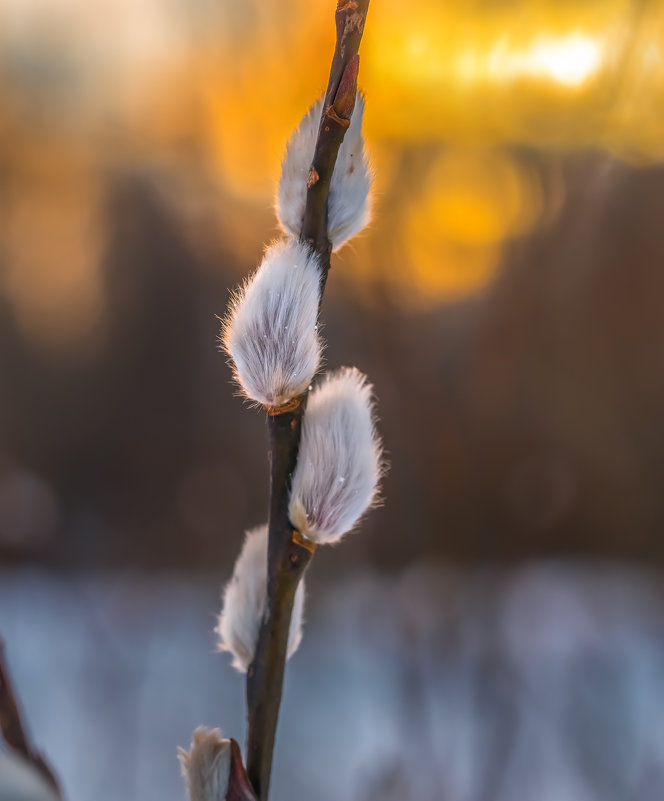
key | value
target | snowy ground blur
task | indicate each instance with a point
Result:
(538, 682)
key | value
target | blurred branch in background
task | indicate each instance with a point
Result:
(13, 730)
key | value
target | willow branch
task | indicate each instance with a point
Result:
(288, 553)
(12, 728)
(337, 110)
(288, 558)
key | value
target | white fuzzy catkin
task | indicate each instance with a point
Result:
(206, 767)
(349, 202)
(244, 603)
(339, 462)
(270, 331)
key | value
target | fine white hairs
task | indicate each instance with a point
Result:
(270, 331)
(244, 603)
(206, 767)
(339, 462)
(349, 202)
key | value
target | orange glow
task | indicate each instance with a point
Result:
(537, 73)
(53, 278)
(215, 91)
(475, 196)
(471, 203)
(445, 270)
(253, 97)
(570, 60)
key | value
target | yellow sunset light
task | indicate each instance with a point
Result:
(569, 60)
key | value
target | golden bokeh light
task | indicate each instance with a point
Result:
(478, 196)
(216, 90)
(569, 60)
(538, 73)
(472, 202)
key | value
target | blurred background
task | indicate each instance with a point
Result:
(495, 630)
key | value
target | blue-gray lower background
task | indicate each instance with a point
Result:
(542, 682)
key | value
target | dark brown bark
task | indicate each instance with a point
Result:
(337, 110)
(287, 561)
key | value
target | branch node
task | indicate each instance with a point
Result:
(301, 540)
(332, 114)
(289, 406)
(313, 177)
(344, 100)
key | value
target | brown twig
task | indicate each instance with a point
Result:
(239, 786)
(288, 554)
(337, 110)
(11, 726)
(287, 561)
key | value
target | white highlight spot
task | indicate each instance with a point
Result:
(569, 60)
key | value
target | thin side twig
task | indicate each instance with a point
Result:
(288, 554)
(239, 786)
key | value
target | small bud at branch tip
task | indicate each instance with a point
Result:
(239, 786)
(344, 100)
